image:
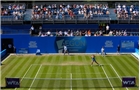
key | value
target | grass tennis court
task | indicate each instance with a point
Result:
(74, 72)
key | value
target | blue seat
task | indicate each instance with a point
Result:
(80, 16)
(67, 17)
(54, 16)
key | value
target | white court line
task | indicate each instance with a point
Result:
(35, 76)
(135, 57)
(6, 58)
(3, 61)
(67, 78)
(72, 73)
(25, 74)
(117, 74)
(67, 65)
(71, 80)
(108, 79)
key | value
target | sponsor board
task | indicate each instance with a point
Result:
(128, 82)
(12, 82)
(74, 44)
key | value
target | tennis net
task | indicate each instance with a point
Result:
(70, 82)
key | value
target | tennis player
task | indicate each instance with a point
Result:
(94, 60)
(65, 50)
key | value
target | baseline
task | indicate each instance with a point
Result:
(69, 65)
(72, 73)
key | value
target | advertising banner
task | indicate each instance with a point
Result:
(74, 44)
(79, 44)
(128, 82)
(12, 82)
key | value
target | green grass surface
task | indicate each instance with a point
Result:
(58, 72)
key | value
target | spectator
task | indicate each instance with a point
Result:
(57, 33)
(32, 30)
(124, 11)
(86, 33)
(111, 33)
(89, 33)
(40, 33)
(107, 12)
(77, 33)
(71, 33)
(43, 35)
(60, 33)
(107, 29)
(65, 33)
(40, 28)
(10, 7)
(48, 33)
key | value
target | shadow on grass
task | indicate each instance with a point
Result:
(2, 88)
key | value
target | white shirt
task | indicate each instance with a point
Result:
(32, 28)
(102, 50)
(48, 32)
(107, 27)
(38, 51)
(65, 33)
(119, 6)
(42, 35)
(9, 7)
(65, 47)
(123, 6)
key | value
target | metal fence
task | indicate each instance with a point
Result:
(68, 19)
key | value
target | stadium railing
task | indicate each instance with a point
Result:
(133, 32)
(67, 19)
(15, 31)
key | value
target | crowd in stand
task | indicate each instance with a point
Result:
(15, 10)
(61, 11)
(66, 33)
(84, 32)
(70, 11)
(127, 11)
(87, 33)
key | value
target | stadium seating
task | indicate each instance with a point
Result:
(43, 11)
(12, 11)
(73, 11)
(127, 10)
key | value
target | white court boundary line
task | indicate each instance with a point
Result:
(72, 73)
(25, 74)
(35, 77)
(71, 81)
(68, 65)
(135, 57)
(117, 74)
(6, 58)
(108, 79)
